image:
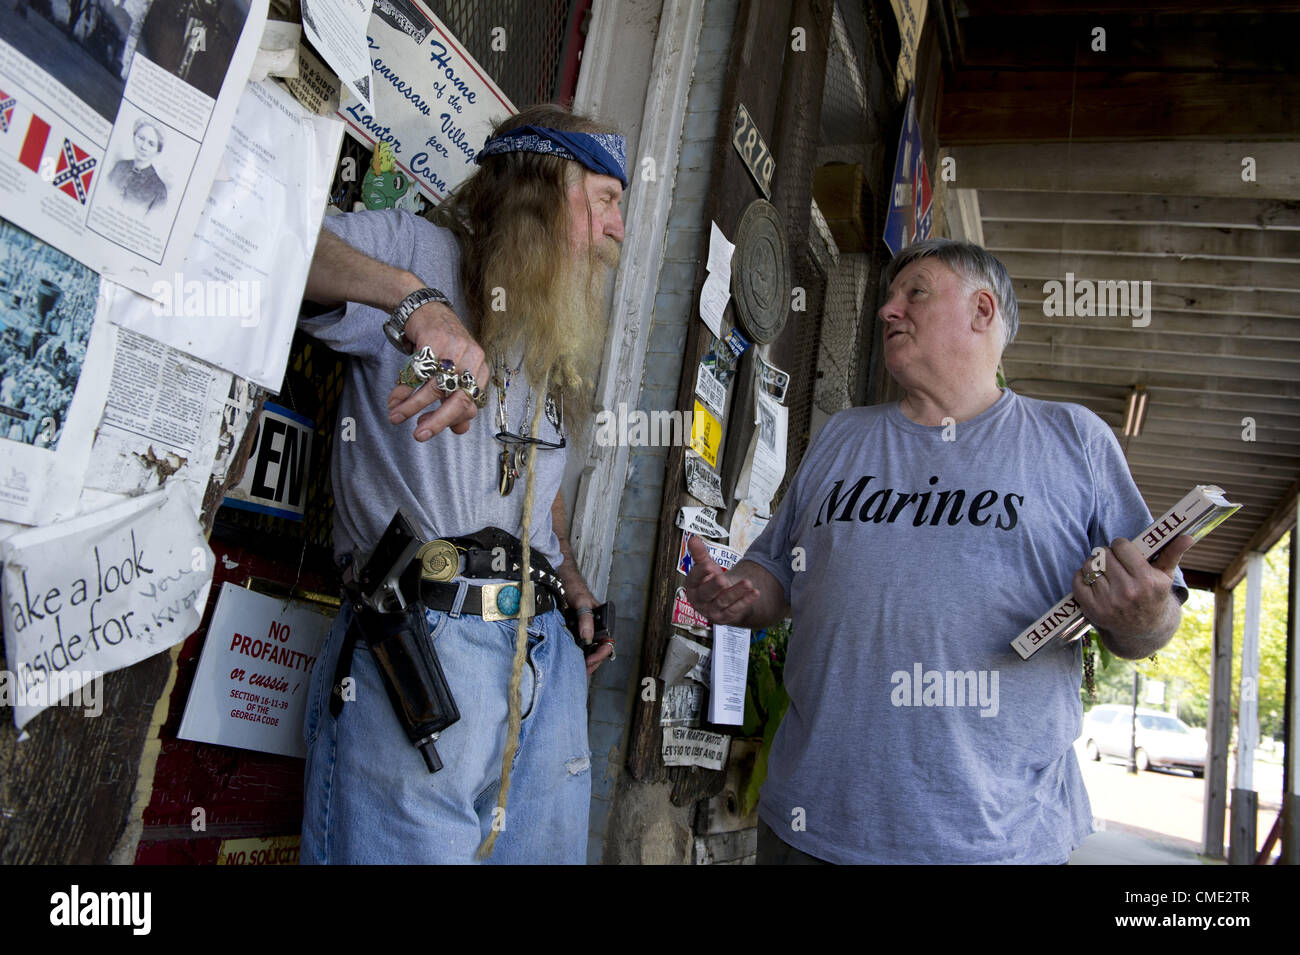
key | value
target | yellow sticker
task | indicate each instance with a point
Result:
(706, 434)
(261, 850)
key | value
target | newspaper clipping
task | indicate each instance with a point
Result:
(113, 117)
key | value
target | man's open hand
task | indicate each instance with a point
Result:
(435, 325)
(724, 597)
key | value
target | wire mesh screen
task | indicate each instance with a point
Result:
(523, 44)
(858, 130)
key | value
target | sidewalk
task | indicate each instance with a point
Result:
(1127, 845)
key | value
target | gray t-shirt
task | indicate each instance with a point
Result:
(915, 733)
(448, 483)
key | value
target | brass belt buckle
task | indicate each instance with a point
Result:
(438, 560)
(505, 602)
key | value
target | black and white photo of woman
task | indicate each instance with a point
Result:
(135, 181)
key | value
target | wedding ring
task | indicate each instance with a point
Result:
(1091, 576)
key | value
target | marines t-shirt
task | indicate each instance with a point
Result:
(912, 556)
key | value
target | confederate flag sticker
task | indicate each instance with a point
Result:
(75, 170)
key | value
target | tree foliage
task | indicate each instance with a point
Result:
(1184, 665)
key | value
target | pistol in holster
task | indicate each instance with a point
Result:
(393, 625)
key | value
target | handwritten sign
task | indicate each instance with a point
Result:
(434, 105)
(101, 592)
(251, 686)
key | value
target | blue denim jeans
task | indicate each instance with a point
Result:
(368, 796)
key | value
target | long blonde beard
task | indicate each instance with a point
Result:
(552, 315)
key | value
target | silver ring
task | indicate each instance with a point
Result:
(584, 611)
(418, 369)
(1092, 576)
(469, 384)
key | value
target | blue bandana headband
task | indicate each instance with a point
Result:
(603, 153)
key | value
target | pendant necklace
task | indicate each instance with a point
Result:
(511, 458)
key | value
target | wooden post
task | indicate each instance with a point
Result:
(1219, 730)
(1241, 850)
(1290, 783)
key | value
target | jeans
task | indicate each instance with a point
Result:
(368, 796)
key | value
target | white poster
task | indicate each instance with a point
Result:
(102, 591)
(162, 420)
(716, 291)
(764, 466)
(434, 105)
(56, 350)
(337, 28)
(234, 303)
(728, 667)
(115, 116)
(250, 689)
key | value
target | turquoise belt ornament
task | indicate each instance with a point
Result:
(508, 600)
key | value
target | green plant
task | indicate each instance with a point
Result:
(766, 701)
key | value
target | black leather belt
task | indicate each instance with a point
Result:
(491, 553)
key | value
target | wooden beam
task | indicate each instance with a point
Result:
(994, 106)
(1285, 439)
(1211, 168)
(600, 487)
(1115, 239)
(1228, 42)
(1170, 342)
(1198, 461)
(1211, 273)
(1269, 533)
(1280, 454)
(1212, 331)
(1201, 402)
(1244, 802)
(1055, 8)
(1153, 377)
(1200, 579)
(1291, 736)
(1219, 729)
(1014, 205)
(1193, 300)
(70, 786)
(1140, 354)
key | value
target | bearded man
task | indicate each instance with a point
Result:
(519, 252)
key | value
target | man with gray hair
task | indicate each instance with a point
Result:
(916, 540)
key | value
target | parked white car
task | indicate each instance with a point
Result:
(1163, 740)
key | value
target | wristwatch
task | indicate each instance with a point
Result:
(395, 327)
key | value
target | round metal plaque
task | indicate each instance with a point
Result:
(438, 560)
(760, 272)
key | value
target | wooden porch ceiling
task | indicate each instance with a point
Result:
(1127, 165)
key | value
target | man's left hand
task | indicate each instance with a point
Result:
(1130, 601)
